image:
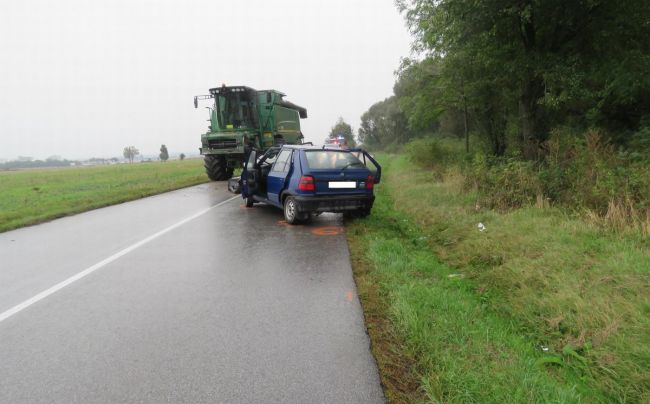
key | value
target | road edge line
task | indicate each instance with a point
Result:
(53, 289)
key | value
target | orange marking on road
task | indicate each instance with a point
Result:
(326, 231)
(283, 223)
(349, 296)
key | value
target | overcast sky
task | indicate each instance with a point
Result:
(82, 78)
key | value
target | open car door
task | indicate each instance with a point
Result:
(249, 180)
(369, 162)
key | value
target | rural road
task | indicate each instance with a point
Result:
(184, 297)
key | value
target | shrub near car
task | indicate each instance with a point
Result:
(306, 180)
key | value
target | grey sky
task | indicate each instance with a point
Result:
(82, 78)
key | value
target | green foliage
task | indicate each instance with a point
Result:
(580, 173)
(530, 66)
(504, 183)
(342, 128)
(419, 94)
(434, 153)
(383, 124)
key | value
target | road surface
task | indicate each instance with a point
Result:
(182, 297)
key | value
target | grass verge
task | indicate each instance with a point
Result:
(33, 196)
(540, 307)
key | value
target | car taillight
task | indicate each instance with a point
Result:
(306, 183)
(370, 184)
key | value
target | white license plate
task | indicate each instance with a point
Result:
(342, 184)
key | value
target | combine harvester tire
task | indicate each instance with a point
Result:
(216, 168)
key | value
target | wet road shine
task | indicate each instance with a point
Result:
(196, 300)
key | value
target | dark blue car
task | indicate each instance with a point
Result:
(305, 180)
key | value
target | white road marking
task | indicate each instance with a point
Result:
(22, 306)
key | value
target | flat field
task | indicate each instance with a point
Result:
(34, 196)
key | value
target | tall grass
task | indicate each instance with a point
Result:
(585, 175)
(577, 284)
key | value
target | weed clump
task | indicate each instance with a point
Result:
(610, 187)
(433, 153)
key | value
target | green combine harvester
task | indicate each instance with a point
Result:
(242, 119)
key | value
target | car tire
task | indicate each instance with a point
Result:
(291, 214)
(249, 201)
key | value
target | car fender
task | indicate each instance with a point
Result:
(284, 194)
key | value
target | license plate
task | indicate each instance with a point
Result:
(342, 184)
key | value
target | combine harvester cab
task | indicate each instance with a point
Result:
(242, 119)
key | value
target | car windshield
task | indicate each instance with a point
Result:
(236, 109)
(331, 159)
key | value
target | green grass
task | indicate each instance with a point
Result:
(33, 196)
(473, 309)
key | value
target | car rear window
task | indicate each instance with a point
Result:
(331, 159)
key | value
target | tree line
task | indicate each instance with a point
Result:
(130, 153)
(511, 74)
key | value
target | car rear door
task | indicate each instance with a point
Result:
(278, 175)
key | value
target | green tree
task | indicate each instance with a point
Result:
(342, 128)
(538, 64)
(130, 152)
(420, 93)
(384, 124)
(182, 156)
(164, 154)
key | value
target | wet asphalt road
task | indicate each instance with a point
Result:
(230, 306)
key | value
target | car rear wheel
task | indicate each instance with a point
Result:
(291, 214)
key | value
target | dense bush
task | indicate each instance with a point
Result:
(583, 173)
(504, 183)
(591, 173)
(434, 153)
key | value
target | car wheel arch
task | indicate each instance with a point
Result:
(284, 195)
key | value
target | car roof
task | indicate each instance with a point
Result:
(312, 147)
